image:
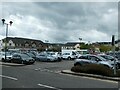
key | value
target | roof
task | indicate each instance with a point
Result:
(73, 43)
(18, 40)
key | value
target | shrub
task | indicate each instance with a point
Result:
(95, 69)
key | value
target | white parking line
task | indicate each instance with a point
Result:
(46, 86)
(12, 78)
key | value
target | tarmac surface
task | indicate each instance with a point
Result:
(11, 64)
(71, 72)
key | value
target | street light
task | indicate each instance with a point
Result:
(113, 44)
(46, 45)
(80, 39)
(10, 23)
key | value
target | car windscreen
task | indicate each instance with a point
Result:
(31, 55)
(51, 53)
(101, 58)
(107, 57)
(25, 56)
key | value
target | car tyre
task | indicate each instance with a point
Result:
(22, 62)
(69, 58)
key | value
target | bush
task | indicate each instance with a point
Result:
(95, 69)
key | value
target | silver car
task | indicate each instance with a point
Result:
(111, 59)
(45, 57)
(8, 56)
(93, 59)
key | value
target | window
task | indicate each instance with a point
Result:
(10, 44)
(83, 57)
(94, 58)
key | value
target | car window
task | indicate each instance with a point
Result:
(52, 53)
(101, 58)
(24, 56)
(94, 58)
(15, 55)
(83, 57)
(73, 53)
(66, 53)
(42, 55)
(108, 57)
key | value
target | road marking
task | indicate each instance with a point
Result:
(47, 70)
(12, 78)
(46, 86)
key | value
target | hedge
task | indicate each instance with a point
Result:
(95, 69)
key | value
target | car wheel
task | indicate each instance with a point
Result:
(3, 59)
(48, 60)
(69, 58)
(22, 62)
(11, 61)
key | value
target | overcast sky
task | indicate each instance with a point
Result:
(61, 21)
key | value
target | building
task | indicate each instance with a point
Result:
(72, 45)
(22, 43)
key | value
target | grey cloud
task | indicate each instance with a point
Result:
(62, 18)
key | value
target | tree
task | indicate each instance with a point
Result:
(104, 48)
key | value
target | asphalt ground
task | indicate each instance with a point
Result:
(59, 67)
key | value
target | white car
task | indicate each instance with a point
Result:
(56, 55)
(69, 56)
(8, 56)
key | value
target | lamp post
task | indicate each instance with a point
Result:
(80, 39)
(10, 23)
(46, 45)
(113, 44)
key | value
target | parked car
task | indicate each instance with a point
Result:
(32, 55)
(56, 55)
(69, 56)
(45, 57)
(93, 59)
(117, 54)
(22, 58)
(8, 56)
(111, 59)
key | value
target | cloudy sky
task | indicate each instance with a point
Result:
(61, 21)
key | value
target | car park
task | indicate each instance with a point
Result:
(22, 58)
(45, 57)
(93, 59)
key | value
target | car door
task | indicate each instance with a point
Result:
(93, 59)
(14, 58)
(42, 57)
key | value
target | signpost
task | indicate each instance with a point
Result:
(113, 44)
